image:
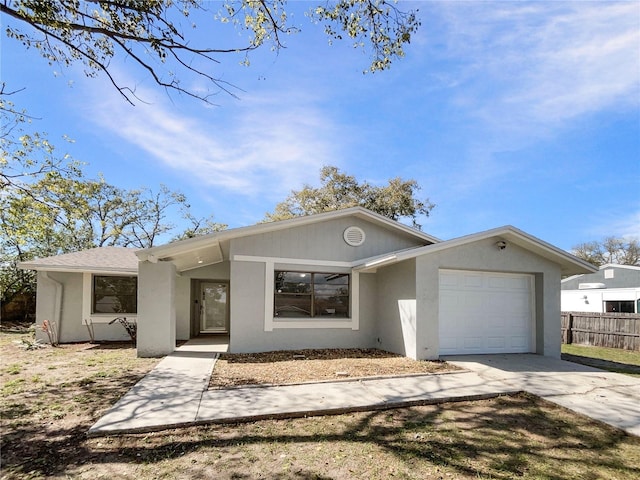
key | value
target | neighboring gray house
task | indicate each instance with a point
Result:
(613, 288)
(349, 278)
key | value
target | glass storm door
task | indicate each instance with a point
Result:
(214, 312)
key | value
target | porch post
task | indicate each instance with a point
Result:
(427, 309)
(156, 309)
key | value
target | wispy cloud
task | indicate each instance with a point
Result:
(519, 73)
(249, 149)
(624, 224)
(530, 67)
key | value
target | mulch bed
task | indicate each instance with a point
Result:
(300, 366)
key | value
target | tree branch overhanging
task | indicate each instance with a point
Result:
(94, 31)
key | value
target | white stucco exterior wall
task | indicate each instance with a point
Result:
(248, 332)
(548, 314)
(484, 256)
(396, 308)
(156, 309)
(73, 307)
(183, 308)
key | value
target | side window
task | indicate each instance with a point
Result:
(113, 294)
(620, 306)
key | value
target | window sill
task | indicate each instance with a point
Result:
(107, 317)
(306, 322)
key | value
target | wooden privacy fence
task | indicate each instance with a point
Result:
(614, 330)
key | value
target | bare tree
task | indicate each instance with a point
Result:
(621, 251)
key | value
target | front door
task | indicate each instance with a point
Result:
(214, 309)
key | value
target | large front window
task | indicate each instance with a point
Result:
(115, 294)
(308, 294)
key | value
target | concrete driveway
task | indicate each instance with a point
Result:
(612, 398)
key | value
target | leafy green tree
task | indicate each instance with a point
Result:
(25, 156)
(154, 34)
(396, 200)
(48, 207)
(199, 226)
(621, 251)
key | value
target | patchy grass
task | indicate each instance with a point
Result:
(51, 396)
(299, 366)
(13, 369)
(611, 359)
(45, 420)
(503, 438)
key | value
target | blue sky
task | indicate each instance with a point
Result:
(504, 112)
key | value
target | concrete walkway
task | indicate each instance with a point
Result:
(175, 392)
(169, 395)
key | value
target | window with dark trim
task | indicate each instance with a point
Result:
(113, 294)
(621, 306)
(309, 294)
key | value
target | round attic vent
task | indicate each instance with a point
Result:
(354, 236)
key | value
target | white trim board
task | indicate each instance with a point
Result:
(271, 323)
(292, 261)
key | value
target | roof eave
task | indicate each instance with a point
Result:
(569, 263)
(78, 269)
(618, 265)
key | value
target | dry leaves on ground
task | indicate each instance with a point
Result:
(299, 366)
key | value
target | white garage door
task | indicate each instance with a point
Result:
(484, 312)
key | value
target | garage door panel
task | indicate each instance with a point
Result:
(519, 343)
(471, 300)
(448, 343)
(494, 282)
(496, 322)
(485, 312)
(496, 342)
(473, 343)
(520, 321)
(472, 281)
(448, 280)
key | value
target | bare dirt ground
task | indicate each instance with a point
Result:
(299, 366)
(51, 396)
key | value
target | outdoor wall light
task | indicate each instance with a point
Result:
(501, 245)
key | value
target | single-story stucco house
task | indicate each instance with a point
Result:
(612, 289)
(348, 278)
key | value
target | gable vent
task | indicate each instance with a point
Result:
(354, 236)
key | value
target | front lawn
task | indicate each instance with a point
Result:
(51, 396)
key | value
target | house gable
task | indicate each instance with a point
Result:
(610, 275)
(501, 240)
(300, 237)
(325, 241)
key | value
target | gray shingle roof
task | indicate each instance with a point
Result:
(101, 259)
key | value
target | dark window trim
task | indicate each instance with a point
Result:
(312, 293)
(94, 278)
(617, 306)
